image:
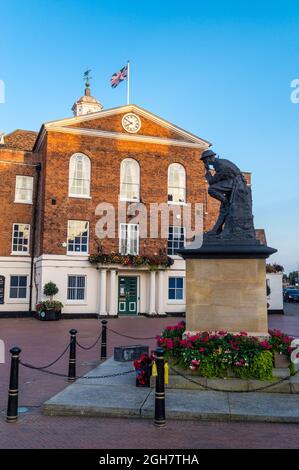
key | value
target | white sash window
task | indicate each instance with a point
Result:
(129, 180)
(129, 239)
(78, 237)
(176, 184)
(24, 189)
(79, 176)
(20, 239)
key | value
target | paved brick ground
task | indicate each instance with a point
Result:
(43, 341)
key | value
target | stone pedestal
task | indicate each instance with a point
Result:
(226, 288)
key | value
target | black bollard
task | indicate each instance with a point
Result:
(12, 406)
(72, 359)
(160, 420)
(104, 340)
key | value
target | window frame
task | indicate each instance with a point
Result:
(177, 203)
(18, 300)
(21, 201)
(76, 301)
(77, 253)
(124, 198)
(184, 241)
(175, 300)
(20, 253)
(120, 239)
(72, 161)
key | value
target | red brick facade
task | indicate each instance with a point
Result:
(13, 163)
(55, 208)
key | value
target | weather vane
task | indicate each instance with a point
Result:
(87, 77)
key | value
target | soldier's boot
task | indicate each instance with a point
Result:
(217, 229)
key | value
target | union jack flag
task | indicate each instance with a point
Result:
(119, 76)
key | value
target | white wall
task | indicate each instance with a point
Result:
(56, 268)
(275, 299)
(10, 266)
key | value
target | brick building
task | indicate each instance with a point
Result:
(52, 183)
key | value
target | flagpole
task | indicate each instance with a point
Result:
(128, 83)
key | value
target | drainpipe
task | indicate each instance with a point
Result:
(33, 231)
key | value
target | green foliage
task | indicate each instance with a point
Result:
(50, 289)
(260, 368)
(293, 277)
(210, 369)
(292, 368)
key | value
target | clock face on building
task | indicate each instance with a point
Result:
(131, 123)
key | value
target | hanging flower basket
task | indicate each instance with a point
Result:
(152, 262)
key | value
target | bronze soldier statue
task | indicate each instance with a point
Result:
(229, 186)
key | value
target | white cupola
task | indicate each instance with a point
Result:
(86, 104)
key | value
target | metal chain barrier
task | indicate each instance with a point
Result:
(89, 347)
(48, 365)
(29, 366)
(231, 391)
(130, 337)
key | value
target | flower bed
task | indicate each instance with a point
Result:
(223, 354)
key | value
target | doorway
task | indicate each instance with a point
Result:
(127, 295)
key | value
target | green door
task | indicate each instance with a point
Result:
(127, 295)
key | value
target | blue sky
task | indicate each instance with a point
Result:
(221, 70)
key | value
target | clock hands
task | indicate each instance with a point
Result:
(130, 122)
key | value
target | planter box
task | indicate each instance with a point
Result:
(281, 360)
(49, 315)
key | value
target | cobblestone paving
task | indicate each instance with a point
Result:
(41, 342)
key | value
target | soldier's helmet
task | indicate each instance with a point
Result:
(207, 153)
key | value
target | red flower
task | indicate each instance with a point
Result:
(193, 338)
(205, 337)
(265, 344)
(201, 350)
(169, 343)
(222, 333)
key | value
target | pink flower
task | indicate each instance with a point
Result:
(195, 362)
(243, 333)
(205, 337)
(201, 350)
(193, 338)
(222, 333)
(169, 328)
(169, 343)
(193, 367)
(183, 342)
(181, 324)
(265, 344)
(240, 363)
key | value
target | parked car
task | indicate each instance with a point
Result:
(291, 295)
